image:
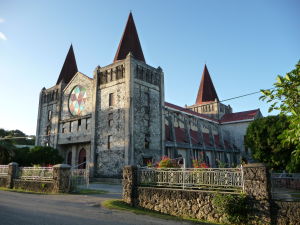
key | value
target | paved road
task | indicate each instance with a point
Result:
(33, 209)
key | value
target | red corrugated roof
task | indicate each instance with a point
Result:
(188, 111)
(207, 91)
(130, 42)
(194, 137)
(167, 133)
(69, 68)
(180, 135)
(217, 141)
(246, 115)
(207, 139)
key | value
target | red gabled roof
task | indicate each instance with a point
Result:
(207, 91)
(246, 115)
(69, 68)
(189, 111)
(130, 42)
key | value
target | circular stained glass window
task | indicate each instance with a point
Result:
(77, 100)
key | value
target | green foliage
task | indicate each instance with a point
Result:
(285, 97)
(16, 137)
(234, 207)
(264, 138)
(166, 162)
(37, 155)
(6, 152)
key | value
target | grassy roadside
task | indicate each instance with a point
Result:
(120, 205)
(79, 192)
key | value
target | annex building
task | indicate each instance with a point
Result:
(120, 117)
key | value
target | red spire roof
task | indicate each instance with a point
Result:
(130, 42)
(207, 92)
(69, 68)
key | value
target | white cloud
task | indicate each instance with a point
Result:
(1, 20)
(2, 36)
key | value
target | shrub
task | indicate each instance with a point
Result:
(234, 207)
(166, 162)
(198, 164)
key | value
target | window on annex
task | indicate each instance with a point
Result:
(48, 130)
(147, 141)
(111, 100)
(79, 125)
(49, 115)
(87, 124)
(110, 119)
(109, 139)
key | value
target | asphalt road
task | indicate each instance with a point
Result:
(34, 209)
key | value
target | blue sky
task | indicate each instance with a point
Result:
(244, 43)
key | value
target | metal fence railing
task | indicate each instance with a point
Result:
(3, 170)
(79, 177)
(209, 179)
(285, 186)
(36, 173)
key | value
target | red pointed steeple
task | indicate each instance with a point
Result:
(130, 42)
(207, 90)
(69, 68)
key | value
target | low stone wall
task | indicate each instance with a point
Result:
(286, 213)
(3, 181)
(185, 203)
(198, 205)
(37, 186)
(59, 183)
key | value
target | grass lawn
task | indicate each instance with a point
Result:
(120, 205)
(79, 192)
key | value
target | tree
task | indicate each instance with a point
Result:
(285, 97)
(6, 152)
(262, 137)
(37, 155)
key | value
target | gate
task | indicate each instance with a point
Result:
(79, 177)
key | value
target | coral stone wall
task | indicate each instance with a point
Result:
(286, 213)
(32, 185)
(3, 181)
(184, 203)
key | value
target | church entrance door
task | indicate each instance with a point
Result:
(82, 159)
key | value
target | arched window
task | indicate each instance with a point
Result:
(82, 159)
(69, 158)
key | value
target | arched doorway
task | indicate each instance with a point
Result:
(69, 158)
(82, 159)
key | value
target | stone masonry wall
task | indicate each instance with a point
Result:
(147, 111)
(111, 159)
(197, 204)
(184, 203)
(3, 181)
(286, 213)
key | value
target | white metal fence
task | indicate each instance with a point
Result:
(79, 177)
(3, 170)
(36, 173)
(209, 179)
(285, 186)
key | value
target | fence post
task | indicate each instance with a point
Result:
(130, 184)
(61, 177)
(257, 188)
(12, 174)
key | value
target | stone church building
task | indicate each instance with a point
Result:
(120, 117)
